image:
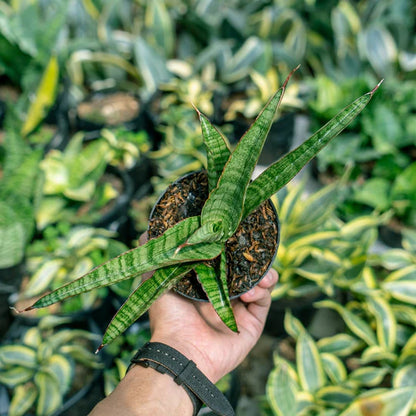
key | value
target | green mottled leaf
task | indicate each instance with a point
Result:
(397, 402)
(156, 253)
(217, 148)
(142, 298)
(23, 398)
(49, 398)
(216, 289)
(309, 364)
(282, 171)
(225, 203)
(281, 390)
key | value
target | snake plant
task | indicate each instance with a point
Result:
(189, 243)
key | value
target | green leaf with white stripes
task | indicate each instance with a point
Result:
(24, 397)
(334, 368)
(63, 370)
(405, 376)
(215, 287)
(341, 345)
(156, 253)
(16, 375)
(368, 376)
(281, 172)
(142, 298)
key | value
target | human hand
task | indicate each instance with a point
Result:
(194, 328)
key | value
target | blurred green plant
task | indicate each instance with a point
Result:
(40, 368)
(64, 254)
(319, 253)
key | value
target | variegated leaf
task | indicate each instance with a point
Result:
(357, 325)
(50, 398)
(405, 376)
(368, 376)
(156, 253)
(335, 396)
(309, 364)
(24, 397)
(142, 298)
(282, 171)
(225, 203)
(216, 289)
(15, 376)
(334, 368)
(281, 389)
(217, 148)
(342, 345)
(63, 370)
(397, 402)
(11, 355)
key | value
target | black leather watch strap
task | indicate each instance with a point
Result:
(166, 359)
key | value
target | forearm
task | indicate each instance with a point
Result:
(144, 391)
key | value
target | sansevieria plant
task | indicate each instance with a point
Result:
(191, 242)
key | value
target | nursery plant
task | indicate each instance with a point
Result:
(195, 240)
(39, 368)
(368, 370)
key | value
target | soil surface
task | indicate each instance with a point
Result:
(250, 251)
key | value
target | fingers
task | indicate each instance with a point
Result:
(256, 294)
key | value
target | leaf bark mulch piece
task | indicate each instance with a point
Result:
(250, 251)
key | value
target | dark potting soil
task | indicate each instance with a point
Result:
(249, 251)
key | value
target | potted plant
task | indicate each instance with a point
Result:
(195, 240)
(319, 253)
(43, 367)
(63, 254)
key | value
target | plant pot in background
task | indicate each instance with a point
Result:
(250, 251)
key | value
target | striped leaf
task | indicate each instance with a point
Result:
(357, 325)
(402, 290)
(376, 353)
(141, 299)
(216, 289)
(281, 390)
(217, 148)
(156, 253)
(292, 325)
(225, 203)
(397, 402)
(42, 278)
(81, 355)
(386, 322)
(23, 399)
(309, 364)
(282, 171)
(50, 398)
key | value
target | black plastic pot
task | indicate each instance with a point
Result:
(201, 296)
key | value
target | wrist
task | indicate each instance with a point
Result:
(191, 352)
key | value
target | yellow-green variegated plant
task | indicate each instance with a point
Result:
(39, 368)
(189, 243)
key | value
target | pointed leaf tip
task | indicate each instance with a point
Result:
(99, 348)
(290, 76)
(376, 87)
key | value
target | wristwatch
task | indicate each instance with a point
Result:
(167, 360)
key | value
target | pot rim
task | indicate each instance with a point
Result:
(271, 261)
